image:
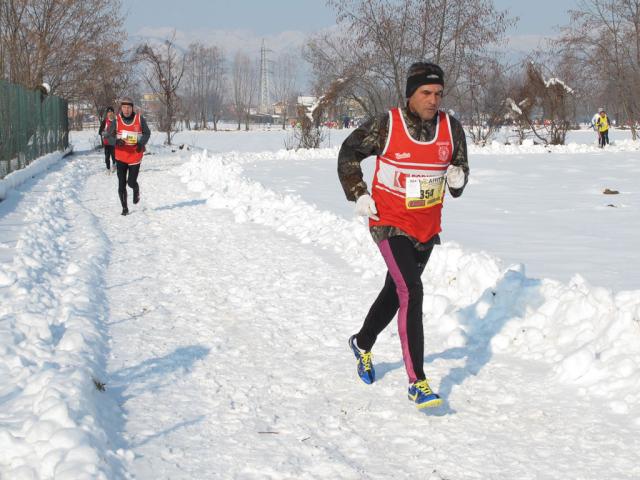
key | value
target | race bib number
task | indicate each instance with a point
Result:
(424, 192)
(130, 138)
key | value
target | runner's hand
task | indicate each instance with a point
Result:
(455, 176)
(366, 207)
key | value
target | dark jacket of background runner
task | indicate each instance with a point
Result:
(110, 141)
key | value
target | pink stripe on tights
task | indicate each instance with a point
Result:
(403, 297)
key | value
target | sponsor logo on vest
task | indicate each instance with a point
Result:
(402, 156)
(400, 180)
(443, 153)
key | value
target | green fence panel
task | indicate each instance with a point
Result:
(31, 125)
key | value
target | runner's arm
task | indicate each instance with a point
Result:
(459, 158)
(368, 139)
(146, 133)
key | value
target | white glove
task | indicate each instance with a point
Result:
(455, 177)
(366, 207)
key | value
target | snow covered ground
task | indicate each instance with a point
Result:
(216, 317)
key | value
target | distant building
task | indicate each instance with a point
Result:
(354, 109)
(307, 101)
(151, 106)
(82, 115)
(279, 108)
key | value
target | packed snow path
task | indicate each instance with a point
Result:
(228, 355)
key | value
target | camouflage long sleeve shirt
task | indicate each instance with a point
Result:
(369, 140)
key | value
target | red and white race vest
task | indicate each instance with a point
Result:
(129, 134)
(409, 181)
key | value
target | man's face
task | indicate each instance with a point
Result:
(110, 114)
(426, 100)
(602, 114)
(126, 110)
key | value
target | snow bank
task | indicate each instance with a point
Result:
(17, 178)
(528, 147)
(589, 336)
(53, 418)
(219, 179)
(283, 154)
(495, 148)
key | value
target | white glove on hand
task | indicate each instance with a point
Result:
(455, 176)
(366, 207)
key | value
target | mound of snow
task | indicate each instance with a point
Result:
(588, 336)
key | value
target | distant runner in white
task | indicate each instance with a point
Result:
(594, 121)
(419, 149)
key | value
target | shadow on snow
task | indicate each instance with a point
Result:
(511, 297)
(154, 373)
(190, 203)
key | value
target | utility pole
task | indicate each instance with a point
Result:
(265, 103)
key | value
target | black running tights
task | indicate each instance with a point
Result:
(401, 294)
(109, 156)
(127, 175)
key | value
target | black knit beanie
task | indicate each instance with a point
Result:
(423, 73)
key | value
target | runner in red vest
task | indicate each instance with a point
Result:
(108, 143)
(419, 150)
(131, 134)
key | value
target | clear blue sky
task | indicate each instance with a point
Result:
(538, 17)
(268, 17)
(261, 16)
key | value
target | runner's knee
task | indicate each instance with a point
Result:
(412, 291)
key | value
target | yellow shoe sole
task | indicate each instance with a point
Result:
(430, 404)
(436, 402)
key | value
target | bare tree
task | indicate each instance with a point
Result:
(483, 87)
(56, 41)
(163, 76)
(542, 106)
(218, 86)
(381, 38)
(605, 37)
(308, 132)
(284, 82)
(204, 83)
(245, 87)
(114, 77)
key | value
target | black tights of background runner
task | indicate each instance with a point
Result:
(123, 181)
(411, 263)
(109, 156)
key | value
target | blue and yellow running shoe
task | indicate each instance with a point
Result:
(421, 394)
(365, 365)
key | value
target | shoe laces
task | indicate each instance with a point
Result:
(366, 361)
(423, 386)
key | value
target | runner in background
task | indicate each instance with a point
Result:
(130, 133)
(603, 128)
(594, 121)
(108, 143)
